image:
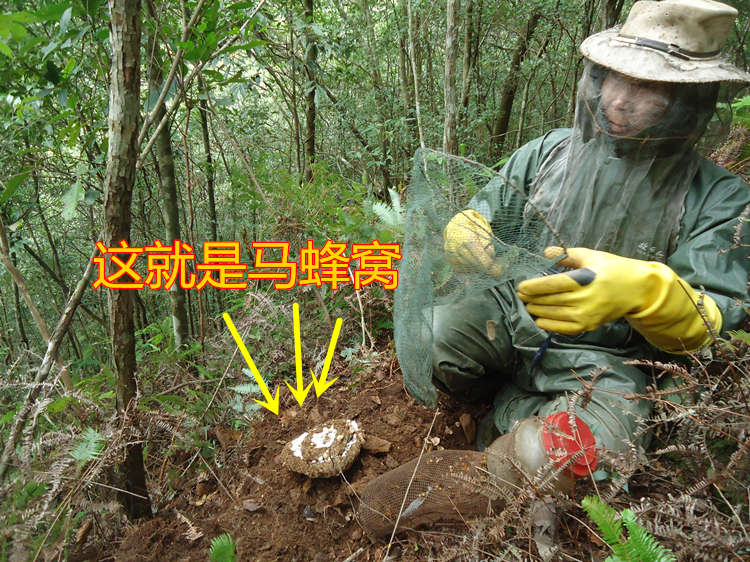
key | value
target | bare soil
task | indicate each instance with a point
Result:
(275, 514)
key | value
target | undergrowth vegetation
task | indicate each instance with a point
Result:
(58, 487)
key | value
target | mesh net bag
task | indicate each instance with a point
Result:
(447, 486)
(454, 486)
(442, 186)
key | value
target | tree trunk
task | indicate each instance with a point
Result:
(19, 314)
(469, 57)
(310, 61)
(450, 137)
(210, 178)
(609, 12)
(295, 114)
(168, 187)
(416, 66)
(122, 154)
(381, 99)
(586, 25)
(508, 93)
(406, 102)
(5, 331)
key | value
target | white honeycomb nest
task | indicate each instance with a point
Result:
(325, 450)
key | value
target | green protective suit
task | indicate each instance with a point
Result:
(487, 344)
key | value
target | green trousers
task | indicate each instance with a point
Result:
(488, 345)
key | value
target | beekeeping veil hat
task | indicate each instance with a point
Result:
(669, 41)
(624, 193)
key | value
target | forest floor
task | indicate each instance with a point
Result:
(275, 514)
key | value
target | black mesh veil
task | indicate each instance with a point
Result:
(623, 193)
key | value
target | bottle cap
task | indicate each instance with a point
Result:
(561, 443)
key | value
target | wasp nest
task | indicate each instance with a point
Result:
(324, 450)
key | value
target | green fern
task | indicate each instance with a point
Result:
(640, 546)
(390, 215)
(642, 543)
(223, 548)
(89, 447)
(741, 335)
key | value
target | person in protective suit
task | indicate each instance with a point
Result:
(650, 265)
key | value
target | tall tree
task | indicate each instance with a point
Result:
(310, 62)
(380, 97)
(470, 56)
(510, 85)
(122, 154)
(450, 138)
(210, 175)
(168, 188)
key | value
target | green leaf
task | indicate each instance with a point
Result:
(222, 548)
(52, 12)
(47, 49)
(91, 196)
(69, 67)
(242, 5)
(51, 72)
(741, 335)
(24, 17)
(186, 45)
(65, 20)
(8, 416)
(71, 199)
(12, 185)
(4, 49)
(641, 545)
(92, 6)
(59, 405)
(252, 44)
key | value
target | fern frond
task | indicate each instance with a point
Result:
(606, 519)
(641, 545)
(396, 201)
(90, 446)
(222, 548)
(387, 214)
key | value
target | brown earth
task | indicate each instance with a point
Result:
(275, 514)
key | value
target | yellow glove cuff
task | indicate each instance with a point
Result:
(675, 317)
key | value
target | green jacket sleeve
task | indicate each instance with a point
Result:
(707, 255)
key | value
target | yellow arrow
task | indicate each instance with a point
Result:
(300, 393)
(321, 385)
(271, 403)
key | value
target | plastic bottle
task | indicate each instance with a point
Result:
(532, 443)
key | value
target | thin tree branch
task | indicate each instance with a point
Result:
(49, 359)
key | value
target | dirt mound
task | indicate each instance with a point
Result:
(275, 514)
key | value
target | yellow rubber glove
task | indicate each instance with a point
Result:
(605, 287)
(468, 243)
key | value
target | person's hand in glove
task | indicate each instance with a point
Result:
(468, 243)
(605, 287)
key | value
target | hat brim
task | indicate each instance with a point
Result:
(648, 64)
